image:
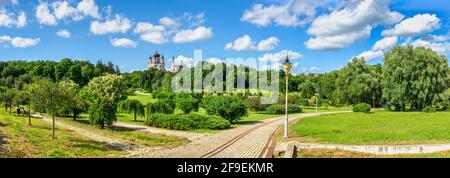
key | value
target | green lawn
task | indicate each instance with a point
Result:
(329, 153)
(129, 136)
(35, 141)
(143, 98)
(377, 128)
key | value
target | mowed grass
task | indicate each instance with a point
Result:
(377, 128)
(134, 137)
(334, 153)
(143, 98)
(23, 141)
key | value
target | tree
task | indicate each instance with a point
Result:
(77, 104)
(186, 102)
(48, 96)
(132, 106)
(22, 98)
(7, 98)
(104, 94)
(414, 76)
(230, 108)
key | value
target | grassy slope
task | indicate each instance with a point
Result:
(376, 128)
(35, 141)
(129, 136)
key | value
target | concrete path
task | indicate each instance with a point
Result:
(116, 143)
(377, 149)
(245, 141)
(190, 136)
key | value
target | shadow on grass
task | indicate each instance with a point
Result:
(93, 145)
(247, 122)
(124, 129)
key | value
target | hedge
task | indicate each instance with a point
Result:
(362, 107)
(186, 122)
(281, 109)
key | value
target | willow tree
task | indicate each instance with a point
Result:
(132, 106)
(413, 76)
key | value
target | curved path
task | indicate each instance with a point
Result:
(245, 141)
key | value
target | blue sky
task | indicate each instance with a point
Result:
(322, 35)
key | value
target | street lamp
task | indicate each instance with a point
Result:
(287, 67)
(317, 101)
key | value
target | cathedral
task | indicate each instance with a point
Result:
(157, 61)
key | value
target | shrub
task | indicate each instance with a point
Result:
(159, 107)
(186, 103)
(163, 95)
(325, 103)
(254, 103)
(362, 107)
(281, 109)
(304, 102)
(429, 109)
(228, 107)
(186, 122)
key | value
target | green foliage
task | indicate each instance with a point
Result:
(103, 113)
(131, 106)
(254, 104)
(230, 108)
(362, 107)
(429, 109)
(281, 109)
(186, 122)
(186, 102)
(423, 75)
(104, 93)
(77, 104)
(7, 98)
(159, 107)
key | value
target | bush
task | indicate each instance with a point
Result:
(281, 109)
(254, 103)
(159, 107)
(186, 103)
(187, 122)
(163, 95)
(429, 109)
(228, 107)
(362, 107)
(304, 102)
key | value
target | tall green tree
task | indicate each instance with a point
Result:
(48, 96)
(104, 94)
(77, 104)
(7, 98)
(414, 76)
(132, 106)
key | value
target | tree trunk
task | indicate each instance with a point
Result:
(135, 120)
(74, 115)
(53, 126)
(29, 116)
(10, 109)
(102, 126)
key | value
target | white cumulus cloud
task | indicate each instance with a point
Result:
(245, 43)
(123, 42)
(63, 33)
(20, 42)
(343, 27)
(5, 38)
(419, 24)
(193, 35)
(280, 56)
(119, 24)
(7, 19)
(155, 34)
(379, 48)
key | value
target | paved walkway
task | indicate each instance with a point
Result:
(245, 141)
(376, 149)
(116, 143)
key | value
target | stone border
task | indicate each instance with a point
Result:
(375, 149)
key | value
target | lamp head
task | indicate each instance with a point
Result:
(287, 65)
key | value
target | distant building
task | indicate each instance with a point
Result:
(156, 61)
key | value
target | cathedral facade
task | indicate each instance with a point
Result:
(157, 61)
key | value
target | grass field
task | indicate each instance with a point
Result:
(21, 140)
(143, 98)
(326, 153)
(376, 128)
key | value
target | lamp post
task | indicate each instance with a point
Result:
(317, 101)
(287, 67)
